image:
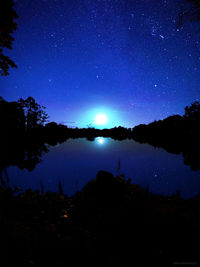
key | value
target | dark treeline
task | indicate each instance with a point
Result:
(177, 134)
(19, 121)
(25, 122)
(27, 118)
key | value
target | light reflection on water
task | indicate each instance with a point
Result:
(100, 140)
(77, 161)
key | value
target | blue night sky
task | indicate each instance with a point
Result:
(123, 58)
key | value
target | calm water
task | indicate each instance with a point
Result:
(77, 161)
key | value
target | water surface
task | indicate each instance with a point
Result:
(77, 161)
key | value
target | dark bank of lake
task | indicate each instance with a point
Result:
(77, 161)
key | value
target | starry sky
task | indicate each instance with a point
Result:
(124, 58)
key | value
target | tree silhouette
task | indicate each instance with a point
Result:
(7, 26)
(193, 112)
(190, 12)
(11, 116)
(35, 115)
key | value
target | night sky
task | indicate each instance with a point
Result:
(123, 58)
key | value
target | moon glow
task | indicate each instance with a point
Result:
(101, 119)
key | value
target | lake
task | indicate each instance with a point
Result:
(77, 161)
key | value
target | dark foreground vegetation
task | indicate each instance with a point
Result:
(111, 222)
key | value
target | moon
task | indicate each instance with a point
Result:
(101, 119)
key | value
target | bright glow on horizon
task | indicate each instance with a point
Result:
(101, 119)
(89, 118)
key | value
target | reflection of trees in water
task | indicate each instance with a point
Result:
(23, 154)
(176, 134)
(32, 156)
(192, 157)
(27, 154)
(2, 172)
(189, 152)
